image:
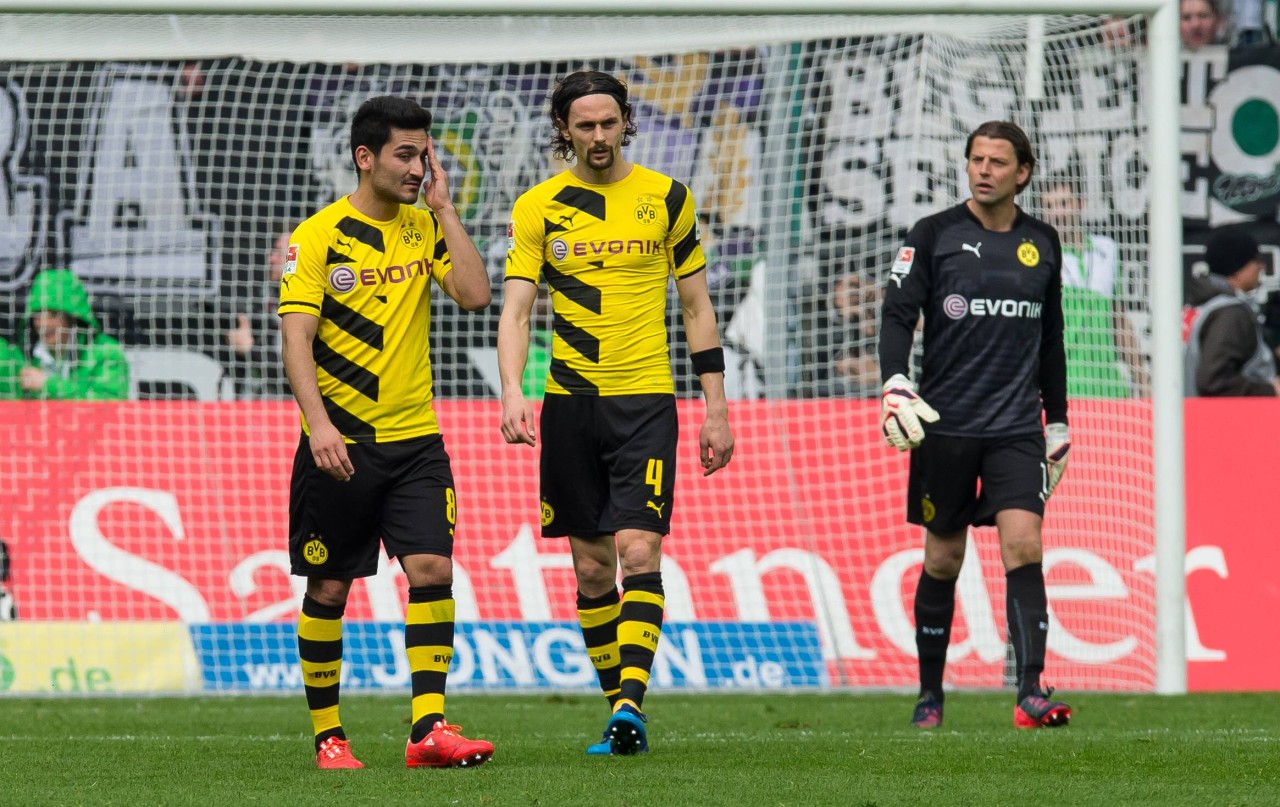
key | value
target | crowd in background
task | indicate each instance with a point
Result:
(63, 341)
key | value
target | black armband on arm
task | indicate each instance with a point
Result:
(707, 361)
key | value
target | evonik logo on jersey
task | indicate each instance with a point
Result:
(561, 249)
(956, 306)
(343, 279)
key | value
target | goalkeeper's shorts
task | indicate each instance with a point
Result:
(956, 482)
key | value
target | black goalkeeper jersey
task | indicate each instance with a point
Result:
(992, 305)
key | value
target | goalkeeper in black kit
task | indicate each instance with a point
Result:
(987, 278)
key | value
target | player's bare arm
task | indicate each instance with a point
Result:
(715, 439)
(298, 332)
(467, 283)
(518, 297)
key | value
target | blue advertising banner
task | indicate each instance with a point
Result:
(237, 656)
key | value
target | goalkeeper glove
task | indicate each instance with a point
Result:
(1057, 445)
(901, 411)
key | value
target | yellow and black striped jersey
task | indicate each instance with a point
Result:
(369, 282)
(608, 253)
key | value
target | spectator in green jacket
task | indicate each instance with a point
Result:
(10, 365)
(69, 358)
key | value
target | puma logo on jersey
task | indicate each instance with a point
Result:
(655, 507)
(567, 218)
(973, 249)
(344, 244)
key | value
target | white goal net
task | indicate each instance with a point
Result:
(160, 158)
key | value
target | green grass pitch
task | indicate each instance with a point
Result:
(714, 749)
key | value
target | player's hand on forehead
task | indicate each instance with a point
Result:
(435, 186)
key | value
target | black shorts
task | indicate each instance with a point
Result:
(401, 493)
(958, 481)
(608, 463)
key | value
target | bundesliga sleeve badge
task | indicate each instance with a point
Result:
(902, 265)
(290, 261)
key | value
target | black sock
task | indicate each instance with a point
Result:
(1028, 615)
(934, 608)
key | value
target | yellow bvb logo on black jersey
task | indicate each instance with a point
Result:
(607, 253)
(927, 510)
(1028, 255)
(369, 283)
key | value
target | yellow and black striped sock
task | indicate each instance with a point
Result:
(428, 640)
(320, 655)
(639, 626)
(598, 617)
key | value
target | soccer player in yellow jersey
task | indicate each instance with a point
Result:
(608, 236)
(355, 299)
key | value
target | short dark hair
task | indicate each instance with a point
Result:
(373, 121)
(1004, 130)
(575, 86)
(1230, 249)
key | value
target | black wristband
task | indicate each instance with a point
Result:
(710, 360)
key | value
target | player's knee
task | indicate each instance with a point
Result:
(946, 567)
(594, 576)
(639, 553)
(427, 570)
(330, 593)
(1020, 549)
(944, 554)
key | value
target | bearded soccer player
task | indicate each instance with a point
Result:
(608, 235)
(988, 279)
(355, 302)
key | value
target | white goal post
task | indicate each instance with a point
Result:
(1024, 38)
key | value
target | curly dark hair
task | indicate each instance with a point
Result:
(575, 86)
(1004, 130)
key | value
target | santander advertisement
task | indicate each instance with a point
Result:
(176, 512)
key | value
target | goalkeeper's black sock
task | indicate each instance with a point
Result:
(639, 626)
(935, 607)
(1028, 615)
(428, 641)
(320, 655)
(598, 617)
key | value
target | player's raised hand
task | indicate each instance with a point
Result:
(901, 413)
(435, 190)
